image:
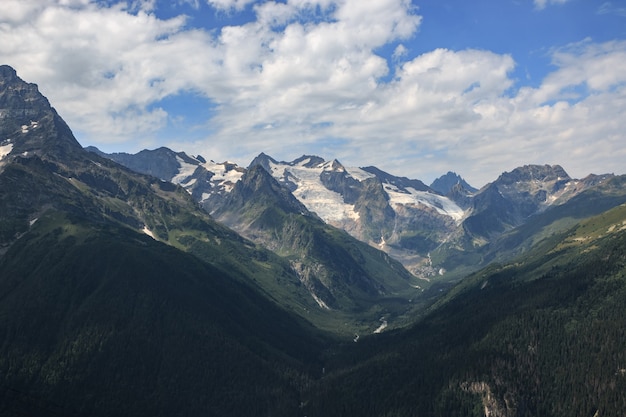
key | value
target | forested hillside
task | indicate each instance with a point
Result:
(543, 336)
(110, 322)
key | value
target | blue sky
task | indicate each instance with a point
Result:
(415, 88)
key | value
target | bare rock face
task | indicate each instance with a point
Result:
(29, 123)
(515, 196)
(446, 183)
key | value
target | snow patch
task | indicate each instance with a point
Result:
(186, 170)
(443, 205)
(5, 150)
(319, 301)
(383, 326)
(327, 204)
(304, 162)
(225, 173)
(359, 174)
(27, 128)
(190, 182)
(148, 232)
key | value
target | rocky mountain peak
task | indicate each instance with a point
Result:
(308, 161)
(264, 160)
(27, 121)
(401, 182)
(20, 102)
(258, 186)
(541, 173)
(448, 182)
(335, 166)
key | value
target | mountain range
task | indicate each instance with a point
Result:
(167, 284)
(426, 228)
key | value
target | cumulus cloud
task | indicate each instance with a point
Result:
(302, 73)
(102, 66)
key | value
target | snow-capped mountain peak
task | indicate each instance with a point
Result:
(341, 195)
(302, 177)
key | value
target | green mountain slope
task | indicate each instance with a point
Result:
(101, 320)
(543, 336)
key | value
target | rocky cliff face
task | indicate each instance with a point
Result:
(27, 121)
(516, 195)
(446, 183)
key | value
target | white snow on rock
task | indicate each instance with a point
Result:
(359, 174)
(383, 326)
(327, 204)
(224, 173)
(309, 189)
(148, 232)
(5, 150)
(319, 301)
(186, 170)
(443, 205)
(27, 128)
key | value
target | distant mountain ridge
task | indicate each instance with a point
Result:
(370, 204)
(402, 216)
(205, 180)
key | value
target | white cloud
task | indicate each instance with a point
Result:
(272, 14)
(195, 4)
(141, 5)
(229, 4)
(541, 4)
(400, 52)
(609, 8)
(20, 11)
(319, 81)
(119, 63)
